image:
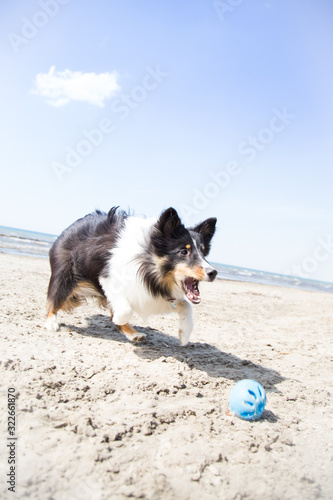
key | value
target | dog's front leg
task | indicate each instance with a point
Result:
(121, 315)
(185, 321)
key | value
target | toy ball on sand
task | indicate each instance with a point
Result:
(247, 399)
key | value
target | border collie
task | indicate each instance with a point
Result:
(131, 264)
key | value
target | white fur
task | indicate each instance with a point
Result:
(51, 323)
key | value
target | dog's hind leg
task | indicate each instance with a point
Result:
(51, 323)
(130, 333)
(59, 296)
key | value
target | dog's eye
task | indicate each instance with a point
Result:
(184, 252)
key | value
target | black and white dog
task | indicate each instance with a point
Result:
(131, 264)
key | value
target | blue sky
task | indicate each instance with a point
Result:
(182, 93)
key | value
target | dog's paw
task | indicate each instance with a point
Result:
(52, 324)
(131, 334)
(138, 337)
(184, 337)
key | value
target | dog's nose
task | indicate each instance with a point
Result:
(212, 274)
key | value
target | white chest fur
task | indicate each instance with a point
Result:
(123, 286)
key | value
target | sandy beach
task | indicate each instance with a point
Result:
(100, 418)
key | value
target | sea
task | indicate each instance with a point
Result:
(33, 244)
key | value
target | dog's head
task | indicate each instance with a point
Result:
(181, 253)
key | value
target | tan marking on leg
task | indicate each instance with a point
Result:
(130, 333)
(79, 295)
(50, 308)
(51, 323)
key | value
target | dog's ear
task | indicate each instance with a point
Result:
(169, 222)
(206, 229)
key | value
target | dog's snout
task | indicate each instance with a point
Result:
(212, 274)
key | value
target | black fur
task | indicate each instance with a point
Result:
(206, 231)
(81, 253)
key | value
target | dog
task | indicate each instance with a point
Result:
(131, 264)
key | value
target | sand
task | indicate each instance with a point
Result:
(100, 418)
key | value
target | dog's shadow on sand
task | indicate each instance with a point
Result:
(202, 356)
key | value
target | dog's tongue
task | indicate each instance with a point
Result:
(192, 290)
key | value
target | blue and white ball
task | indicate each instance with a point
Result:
(247, 399)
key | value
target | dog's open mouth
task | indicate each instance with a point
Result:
(192, 290)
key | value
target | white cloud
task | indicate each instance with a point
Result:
(61, 87)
